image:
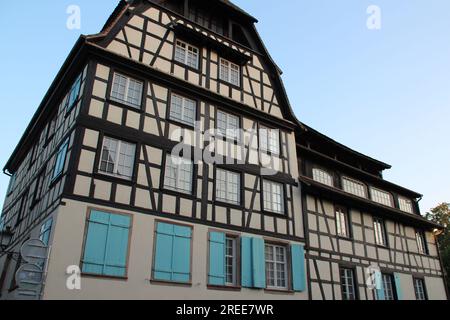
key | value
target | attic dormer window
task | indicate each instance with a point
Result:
(206, 20)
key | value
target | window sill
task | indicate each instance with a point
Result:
(179, 193)
(183, 65)
(229, 205)
(282, 215)
(346, 238)
(111, 178)
(171, 283)
(125, 105)
(237, 87)
(279, 291)
(224, 288)
(181, 124)
(105, 277)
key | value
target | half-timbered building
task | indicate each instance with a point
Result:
(165, 162)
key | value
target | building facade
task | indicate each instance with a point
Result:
(165, 162)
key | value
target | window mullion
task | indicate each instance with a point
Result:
(116, 160)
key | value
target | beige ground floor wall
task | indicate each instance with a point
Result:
(67, 251)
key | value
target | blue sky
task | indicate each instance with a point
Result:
(384, 93)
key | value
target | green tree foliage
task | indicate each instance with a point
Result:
(441, 215)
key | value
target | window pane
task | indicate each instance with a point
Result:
(228, 186)
(405, 205)
(276, 266)
(354, 187)
(183, 109)
(381, 197)
(127, 90)
(178, 175)
(322, 177)
(117, 158)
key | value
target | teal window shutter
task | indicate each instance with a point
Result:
(74, 93)
(182, 254)
(398, 286)
(106, 246)
(298, 268)
(246, 262)
(60, 160)
(217, 259)
(379, 286)
(258, 263)
(173, 253)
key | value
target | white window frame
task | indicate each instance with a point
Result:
(342, 223)
(323, 177)
(268, 197)
(346, 278)
(115, 173)
(179, 165)
(275, 263)
(420, 290)
(269, 140)
(228, 185)
(226, 69)
(186, 52)
(388, 286)
(351, 187)
(228, 132)
(233, 258)
(126, 93)
(405, 204)
(379, 196)
(420, 240)
(380, 232)
(184, 109)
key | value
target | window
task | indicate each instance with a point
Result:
(60, 160)
(39, 186)
(388, 287)
(117, 158)
(323, 177)
(380, 232)
(172, 259)
(421, 242)
(222, 259)
(381, 197)
(228, 186)
(12, 184)
(273, 197)
(405, 205)
(276, 266)
(127, 90)
(342, 223)
(46, 229)
(179, 174)
(230, 72)
(419, 289)
(186, 54)
(228, 126)
(354, 187)
(348, 284)
(74, 93)
(24, 207)
(182, 109)
(51, 128)
(106, 244)
(269, 140)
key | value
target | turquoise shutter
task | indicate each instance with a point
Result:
(95, 247)
(182, 254)
(246, 262)
(173, 253)
(106, 246)
(60, 160)
(74, 93)
(217, 259)
(398, 286)
(258, 263)
(379, 286)
(298, 268)
(164, 251)
(117, 246)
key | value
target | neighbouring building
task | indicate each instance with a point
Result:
(283, 212)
